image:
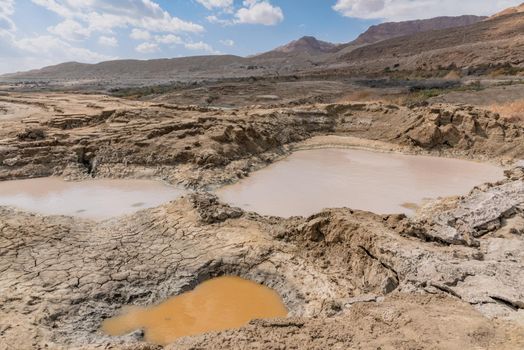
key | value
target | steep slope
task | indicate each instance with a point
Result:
(495, 42)
(509, 11)
(391, 30)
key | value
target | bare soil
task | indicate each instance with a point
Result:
(449, 277)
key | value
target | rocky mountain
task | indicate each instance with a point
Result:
(492, 43)
(511, 10)
(391, 30)
(307, 44)
(425, 45)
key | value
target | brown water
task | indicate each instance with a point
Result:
(217, 304)
(308, 181)
(94, 199)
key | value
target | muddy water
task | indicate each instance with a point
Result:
(218, 304)
(308, 181)
(94, 199)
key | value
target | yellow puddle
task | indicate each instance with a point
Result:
(217, 304)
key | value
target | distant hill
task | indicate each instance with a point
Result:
(391, 30)
(509, 11)
(173, 68)
(298, 51)
(493, 42)
(306, 44)
(311, 46)
(425, 45)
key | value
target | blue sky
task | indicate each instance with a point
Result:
(36, 33)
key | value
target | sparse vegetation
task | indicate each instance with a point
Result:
(418, 95)
(496, 70)
(139, 92)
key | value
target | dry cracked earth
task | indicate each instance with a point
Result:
(449, 277)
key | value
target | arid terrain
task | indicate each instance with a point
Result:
(448, 277)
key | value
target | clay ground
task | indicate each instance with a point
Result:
(448, 278)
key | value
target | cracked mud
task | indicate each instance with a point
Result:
(451, 275)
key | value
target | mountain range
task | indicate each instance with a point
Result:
(462, 42)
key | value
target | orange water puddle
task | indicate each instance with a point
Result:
(218, 304)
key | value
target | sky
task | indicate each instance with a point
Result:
(38, 33)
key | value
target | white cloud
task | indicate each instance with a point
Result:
(7, 8)
(147, 48)
(109, 41)
(51, 47)
(70, 30)
(101, 15)
(22, 53)
(259, 12)
(227, 42)
(252, 12)
(211, 4)
(397, 10)
(139, 34)
(215, 20)
(168, 39)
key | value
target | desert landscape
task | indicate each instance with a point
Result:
(424, 251)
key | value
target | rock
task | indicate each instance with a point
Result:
(450, 135)
(32, 134)
(312, 229)
(426, 136)
(211, 210)
(11, 161)
(268, 97)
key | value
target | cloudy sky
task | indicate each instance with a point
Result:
(36, 33)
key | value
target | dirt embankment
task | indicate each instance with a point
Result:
(198, 146)
(345, 275)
